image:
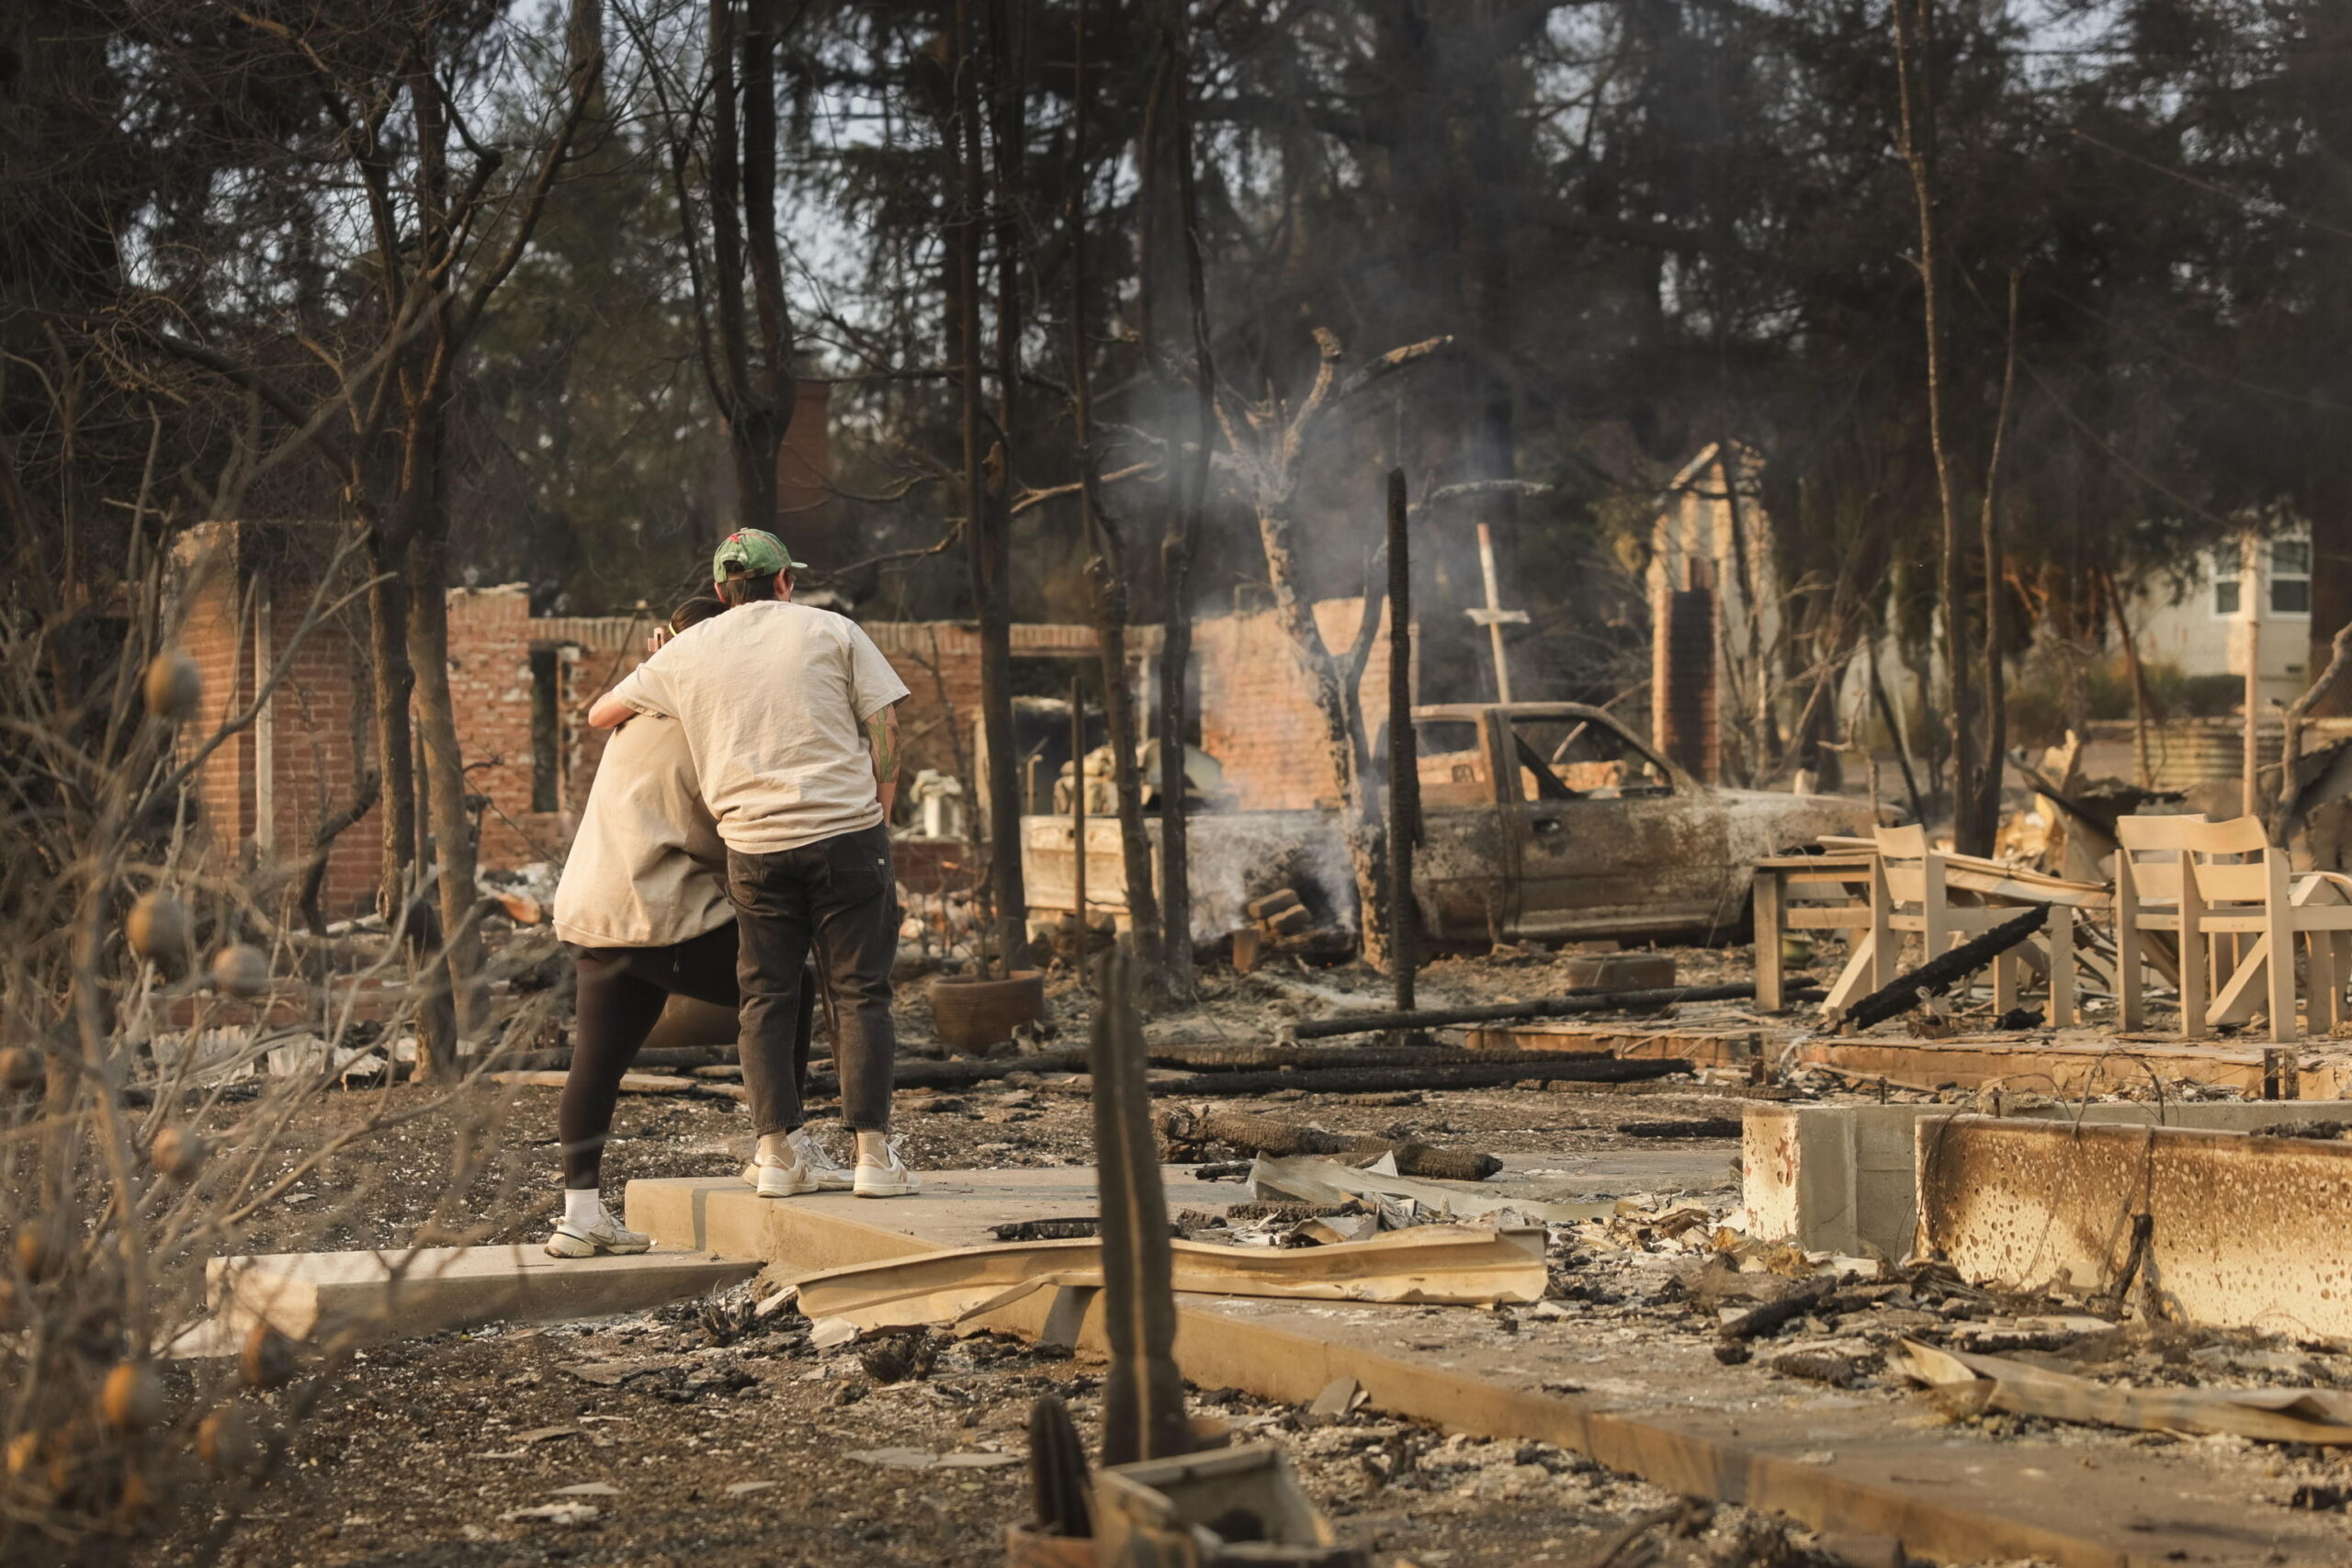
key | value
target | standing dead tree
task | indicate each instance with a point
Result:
(441, 236)
(1915, 49)
(721, 141)
(1107, 563)
(1164, 152)
(1266, 444)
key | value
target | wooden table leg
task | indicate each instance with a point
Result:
(1770, 897)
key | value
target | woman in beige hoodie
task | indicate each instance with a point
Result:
(643, 902)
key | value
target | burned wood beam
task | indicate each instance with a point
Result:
(1567, 1005)
(1190, 1134)
(1772, 1316)
(1695, 1127)
(1143, 1393)
(1940, 974)
(1449, 1075)
(653, 1059)
(1219, 1061)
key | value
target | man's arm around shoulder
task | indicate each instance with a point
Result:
(882, 745)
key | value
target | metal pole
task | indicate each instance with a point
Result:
(2249, 616)
(1078, 812)
(1404, 768)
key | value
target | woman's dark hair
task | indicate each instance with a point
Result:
(694, 611)
(749, 589)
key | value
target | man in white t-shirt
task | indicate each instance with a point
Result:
(790, 714)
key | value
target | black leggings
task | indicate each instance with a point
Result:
(621, 994)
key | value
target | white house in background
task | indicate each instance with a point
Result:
(2259, 591)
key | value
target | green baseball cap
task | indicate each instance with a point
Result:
(751, 552)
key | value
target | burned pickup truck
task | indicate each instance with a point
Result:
(1541, 821)
(1551, 820)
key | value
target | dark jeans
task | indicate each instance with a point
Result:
(622, 992)
(839, 897)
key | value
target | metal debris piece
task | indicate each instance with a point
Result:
(1313, 1180)
(826, 1333)
(1340, 1396)
(1965, 1383)
(1187, 1510)
(1438, 1265)
(1190, 1133)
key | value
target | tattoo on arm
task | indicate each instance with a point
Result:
(882, 735)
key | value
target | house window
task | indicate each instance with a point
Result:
(2227, 564)
(2290, 577)
(546, 729)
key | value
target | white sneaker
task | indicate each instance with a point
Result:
(832, 1176)
(607, 1234)
(780, 1180)
(891, 1181)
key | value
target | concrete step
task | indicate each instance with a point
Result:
(427, 1291)
(831, 1230)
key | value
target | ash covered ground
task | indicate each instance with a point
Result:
(699, 1433)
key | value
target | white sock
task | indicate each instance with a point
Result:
(775, 1148)
(582, 1207)
(873, 1148)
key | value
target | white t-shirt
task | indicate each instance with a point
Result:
(646, 868)
(774, 698)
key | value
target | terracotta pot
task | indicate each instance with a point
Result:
(970, 1014)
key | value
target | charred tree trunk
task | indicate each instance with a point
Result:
(1404, 768)
(752, 382)
(1915, 48)
(1107, 563)
(986, 521)
(1187, 501)
(1987, 825)
(1267, 448)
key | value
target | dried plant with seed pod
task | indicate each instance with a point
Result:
(155, 1115)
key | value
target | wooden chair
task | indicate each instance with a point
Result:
(2245, 891)
(2154, 895)
(1909, 892)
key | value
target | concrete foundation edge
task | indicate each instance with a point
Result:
(1220, 1352)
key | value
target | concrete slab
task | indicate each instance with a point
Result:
(1673, 1167)
(2245, 1232)
(427, 1291)
(1844, 1178)
(831, 1230)
(1655, 1405)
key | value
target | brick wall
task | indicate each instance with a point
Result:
(214, 632)
(492, 690)
(261, 796)
(1259, 715)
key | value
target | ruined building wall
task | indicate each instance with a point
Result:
(1259, 715)
(522, 684)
